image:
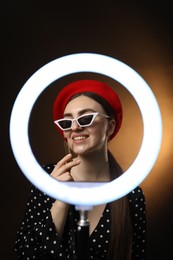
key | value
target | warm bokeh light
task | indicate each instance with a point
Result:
(158, 185)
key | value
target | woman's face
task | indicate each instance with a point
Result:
(84, 140)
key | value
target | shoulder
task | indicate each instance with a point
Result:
(136, 197)
(136, 193)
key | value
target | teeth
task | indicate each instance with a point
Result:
(79, 137)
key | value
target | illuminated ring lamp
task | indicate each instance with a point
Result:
(86, 194)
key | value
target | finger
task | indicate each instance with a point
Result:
(64, 160)
(65, 177)
(67, 167)
(64, 168)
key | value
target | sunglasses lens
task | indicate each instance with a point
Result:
(65, 124)
(85, 120)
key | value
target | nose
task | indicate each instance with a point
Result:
(75, 125)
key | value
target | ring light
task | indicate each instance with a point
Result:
(90, 193)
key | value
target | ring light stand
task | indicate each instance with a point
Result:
(83, 234)
(82, 195)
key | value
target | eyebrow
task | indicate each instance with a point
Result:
(80, 112)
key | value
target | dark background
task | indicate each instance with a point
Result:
(138, 33)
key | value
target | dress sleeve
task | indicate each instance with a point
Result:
(37, 237)
(138, 213)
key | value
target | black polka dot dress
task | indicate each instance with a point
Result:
(38, 239)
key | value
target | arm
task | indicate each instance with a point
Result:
(59, 209)
(37, 233)
(44, 220)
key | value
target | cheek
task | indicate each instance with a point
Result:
(99, 132)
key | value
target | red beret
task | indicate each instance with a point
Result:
(94, 86)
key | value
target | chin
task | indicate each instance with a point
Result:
(80, 152)
(83, 152)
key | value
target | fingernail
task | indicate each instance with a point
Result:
(78, 161)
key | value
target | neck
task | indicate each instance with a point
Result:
(93, 167)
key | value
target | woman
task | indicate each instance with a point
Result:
(88, 114)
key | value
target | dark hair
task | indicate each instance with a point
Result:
(121, 239)
(121, 225)
(108, 109)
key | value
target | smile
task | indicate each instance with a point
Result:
(81, 137)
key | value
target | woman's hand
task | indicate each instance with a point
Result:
(59, 209)
(62, 170)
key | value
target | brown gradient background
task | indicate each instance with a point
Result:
(139, 34)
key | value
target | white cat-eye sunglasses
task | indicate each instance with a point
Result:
(83, 121)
